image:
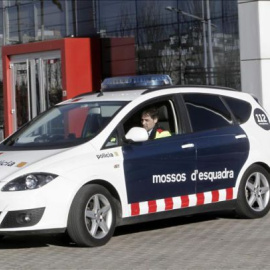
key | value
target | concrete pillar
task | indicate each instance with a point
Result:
(254, 27)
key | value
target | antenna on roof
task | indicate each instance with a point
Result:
(100, 94)
(100, 91)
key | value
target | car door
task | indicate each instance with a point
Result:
(156, 171)
(222, 146)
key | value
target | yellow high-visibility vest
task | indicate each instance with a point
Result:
(162, 133)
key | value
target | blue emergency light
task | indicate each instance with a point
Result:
(139, 81)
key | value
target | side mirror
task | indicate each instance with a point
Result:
(137, 134)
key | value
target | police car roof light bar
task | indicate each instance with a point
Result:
(138, 81)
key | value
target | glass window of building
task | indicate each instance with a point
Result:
(174, 37)
(194, 41)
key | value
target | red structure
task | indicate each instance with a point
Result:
(118, 57)
(84, 63)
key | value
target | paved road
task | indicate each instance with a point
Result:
(210, 241)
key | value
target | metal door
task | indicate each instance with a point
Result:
(159, 169)
(36, 85)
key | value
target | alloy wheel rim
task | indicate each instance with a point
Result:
(257, 191)
(98, 216)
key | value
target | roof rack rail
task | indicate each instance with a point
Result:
(188, 86)
(86, 94)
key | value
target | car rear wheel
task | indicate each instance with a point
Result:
(254, 193)
(92, 216)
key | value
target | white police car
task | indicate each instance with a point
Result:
(86, 165)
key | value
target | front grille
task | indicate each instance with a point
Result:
(22, 218)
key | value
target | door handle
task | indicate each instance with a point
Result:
(188, 145)
(241, 136)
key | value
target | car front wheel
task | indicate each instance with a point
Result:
(254, 193)
(92, 216)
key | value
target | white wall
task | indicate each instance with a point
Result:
(254, 27)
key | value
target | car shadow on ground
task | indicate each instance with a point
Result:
(173, 222)
(32, 241)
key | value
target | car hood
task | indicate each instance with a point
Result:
(12, 161)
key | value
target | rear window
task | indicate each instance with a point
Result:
(207, 112)
(240, 109)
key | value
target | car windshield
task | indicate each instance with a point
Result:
(64, 126)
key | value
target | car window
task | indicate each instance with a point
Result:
(240, 109)
(167, 120)
(113, 140)
(207, 112)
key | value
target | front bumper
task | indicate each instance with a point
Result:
(45, 208)
(22, 218)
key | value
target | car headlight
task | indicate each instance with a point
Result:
(29, 182)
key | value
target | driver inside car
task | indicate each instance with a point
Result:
(149, 121)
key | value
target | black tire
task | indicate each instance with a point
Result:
(92, 216)
(253, 194)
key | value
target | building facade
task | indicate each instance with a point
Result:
(194, 41)
(254, 21)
